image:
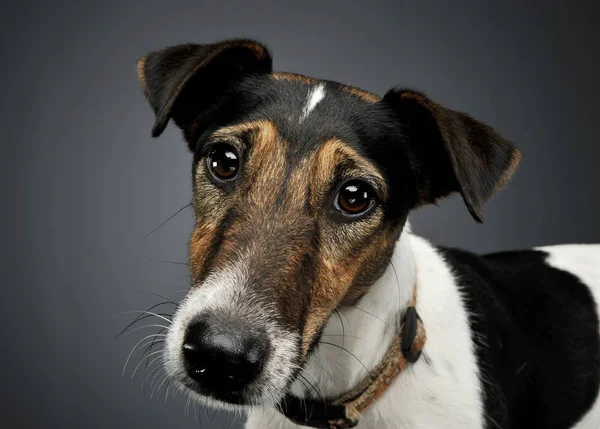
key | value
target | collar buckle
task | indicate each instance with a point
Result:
(409, 333)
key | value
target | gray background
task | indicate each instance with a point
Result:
(83, 182)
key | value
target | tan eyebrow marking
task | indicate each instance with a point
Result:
(329, 156)
(237, 129)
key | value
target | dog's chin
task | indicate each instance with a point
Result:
(231, 398)
(229, 401)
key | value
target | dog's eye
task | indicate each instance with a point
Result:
(355, 197)
(223, 162)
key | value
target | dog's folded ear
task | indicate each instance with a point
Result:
(185, 81)
(451, 152)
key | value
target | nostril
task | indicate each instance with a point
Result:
(197, 361)
(223, 356)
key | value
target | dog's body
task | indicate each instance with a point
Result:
(304, 273)
(527, 318)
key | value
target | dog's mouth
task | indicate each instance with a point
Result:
(223, 395)
(228, 396)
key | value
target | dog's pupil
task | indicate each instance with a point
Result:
(355, 197)
(224, 162)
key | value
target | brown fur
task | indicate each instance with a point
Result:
(265, 165)
(200, 242)
(514, 162)
(142, 77)
(294, 77)
(336, 282)
(338, 260)
(365, 95)
(259, 50)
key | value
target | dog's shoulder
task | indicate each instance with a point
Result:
(534, 320)
(581, 260)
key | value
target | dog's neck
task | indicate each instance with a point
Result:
(356, 340)
(444, 382)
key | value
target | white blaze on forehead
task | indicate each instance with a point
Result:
(315, 95)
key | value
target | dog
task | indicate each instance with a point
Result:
(311, 302)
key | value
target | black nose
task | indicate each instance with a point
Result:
(224, 356)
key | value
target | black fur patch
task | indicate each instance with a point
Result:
(536, 334)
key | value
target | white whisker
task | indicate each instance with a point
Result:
(148, 312)
(155, 375)
(142, 361)
(160, 380)
(167, 391)
(152, 372)
(187, 405)
(135, 347)
(196, 413)
(145, 326)
(158, 386)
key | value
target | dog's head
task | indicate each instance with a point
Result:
(301, 187)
